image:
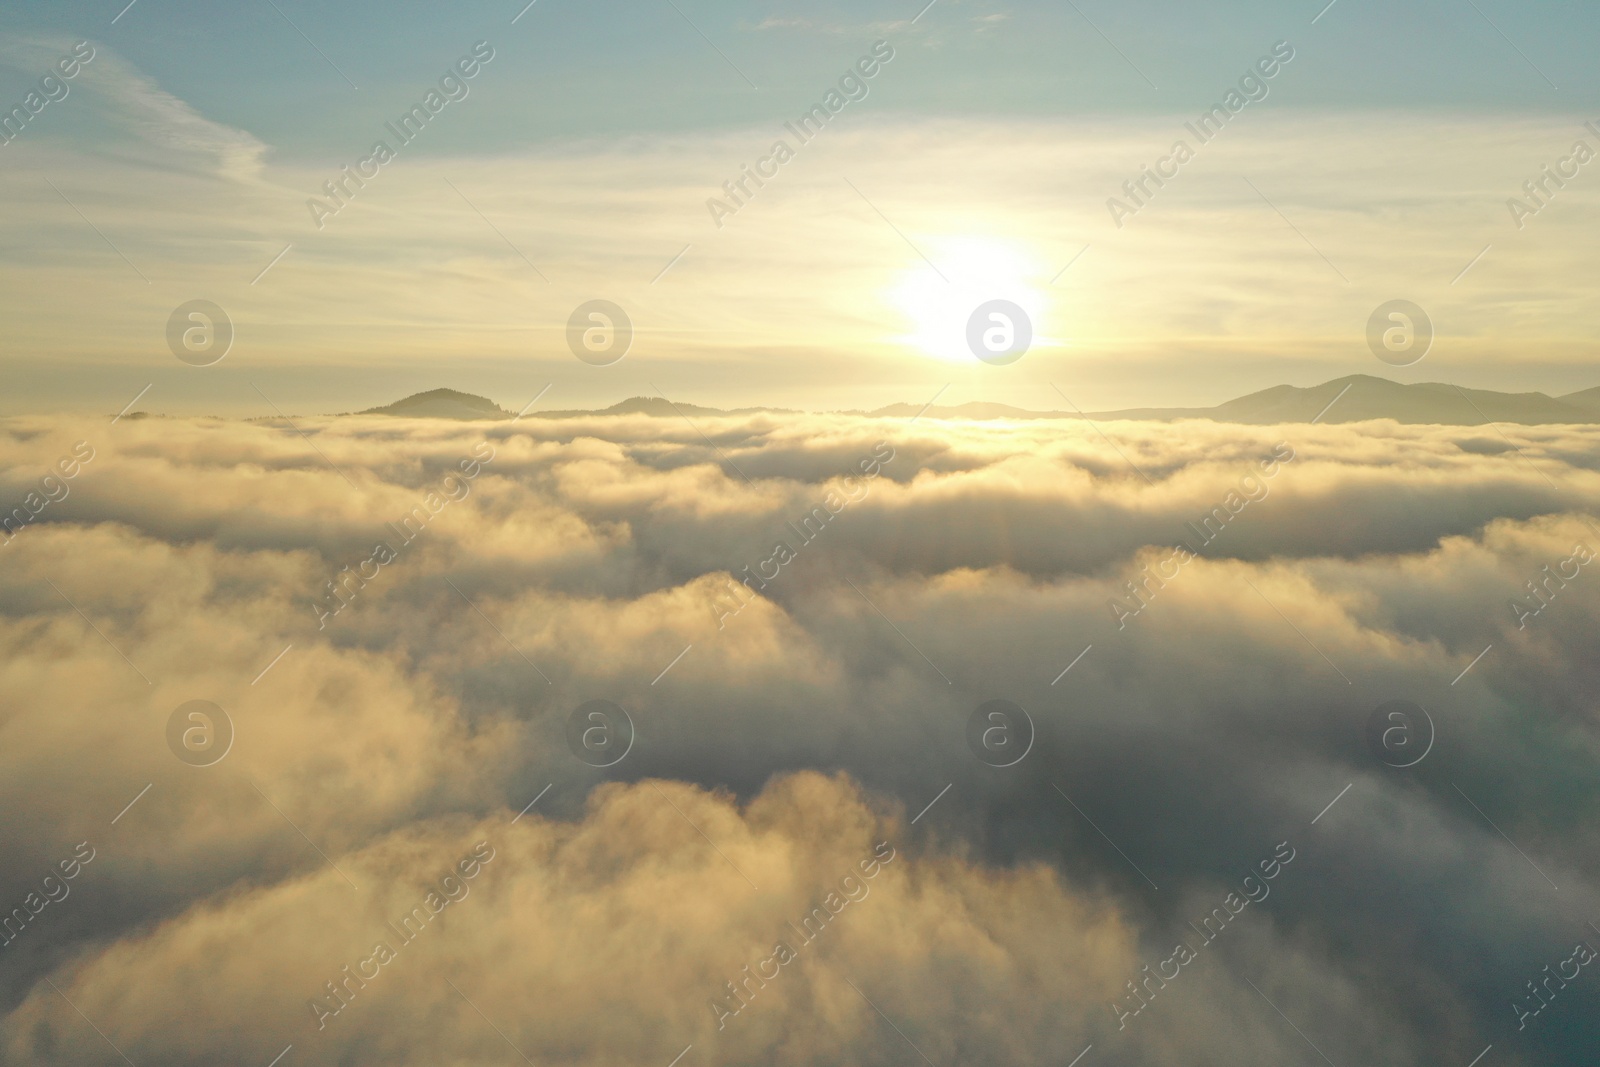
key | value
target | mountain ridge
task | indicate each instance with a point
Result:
(1353, 398)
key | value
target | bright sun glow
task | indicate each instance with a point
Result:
(979, 269)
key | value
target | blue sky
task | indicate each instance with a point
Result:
(605, 67)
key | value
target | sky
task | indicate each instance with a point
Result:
(979, 164)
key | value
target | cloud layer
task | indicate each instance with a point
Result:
(800, 616)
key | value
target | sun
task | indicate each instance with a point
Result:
(975, 270)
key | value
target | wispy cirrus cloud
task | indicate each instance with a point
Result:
(176, 129)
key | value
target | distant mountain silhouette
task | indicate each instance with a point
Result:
(1355, 398)
(1588, 400)
(451, 404)
(1362, 397)
(442, 404)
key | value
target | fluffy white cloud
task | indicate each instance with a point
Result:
(805, 718)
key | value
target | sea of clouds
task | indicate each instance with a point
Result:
(776, 747)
